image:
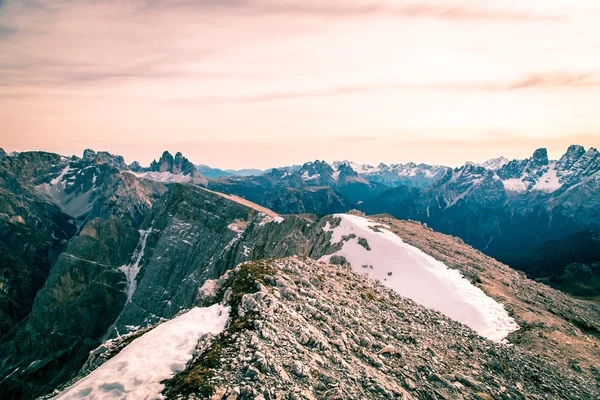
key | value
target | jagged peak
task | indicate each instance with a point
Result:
(135, 167)
(575, 150)
(104, 157)
(89, 154)
(540, 156)
(496, 163)
(177, 165)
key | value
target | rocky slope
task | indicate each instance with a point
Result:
(303, 329)
(571, 264)
(32, 234)
(101, 255)
(53, 210)
(115, 277)
(306, 329)
(552, 324)
(45, 199)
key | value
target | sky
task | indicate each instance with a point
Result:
(264, 83)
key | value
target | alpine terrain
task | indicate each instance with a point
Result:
(121, 281)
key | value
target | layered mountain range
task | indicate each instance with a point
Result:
(504, 208)
(118, 281)
(508, 209)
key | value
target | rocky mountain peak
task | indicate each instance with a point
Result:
(540, 157)
(319, 171)
(496, 163)
(104, 157)
(89, 154)
(135, 167)
(176, 165)
(347, 170)
(574, 151)
(577, 163)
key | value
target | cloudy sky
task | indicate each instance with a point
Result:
(261, 83)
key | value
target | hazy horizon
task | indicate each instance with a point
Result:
(128, 160)
(262, 83)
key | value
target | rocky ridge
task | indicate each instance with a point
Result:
(307, 320)
(553, 324)
(304, 329)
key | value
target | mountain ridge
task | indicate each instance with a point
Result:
(134, 252)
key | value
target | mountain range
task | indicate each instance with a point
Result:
(108, 268)
(506, 209)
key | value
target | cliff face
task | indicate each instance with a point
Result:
(193, 235)
(115, 277)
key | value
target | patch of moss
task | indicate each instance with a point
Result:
(196, 378)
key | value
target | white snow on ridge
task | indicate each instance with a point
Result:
(418, 276)
(164, 177)
(74, 204)
(514, 185)
(549, 182)
(495, 163)
(136, 372)
(307, 177)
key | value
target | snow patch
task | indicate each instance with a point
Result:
(266, 219)
(514, 185)
(75, 204)
(495, 163)
(132, 270)
(168, 177)
(418, 276)
(307, 177)
(136, 372)
(548, 182)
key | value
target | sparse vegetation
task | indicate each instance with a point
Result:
(196, 378)
(363, 242)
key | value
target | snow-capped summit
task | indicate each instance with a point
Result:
(393, 175)
(495, 163)
(319, 173)
(359, 168)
